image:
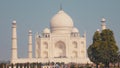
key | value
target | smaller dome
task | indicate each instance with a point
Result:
(103, 20)
(14, 21)
(30, 31)
(98, 30)
(75, 30)
(46, 30)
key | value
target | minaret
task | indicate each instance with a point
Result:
(37, 51)
(30, 44)
(14, 41)
(103, 23)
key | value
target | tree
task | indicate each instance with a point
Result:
(118, 59)
(72, 66)
(104, 48)
(93, 50)
(108, 48)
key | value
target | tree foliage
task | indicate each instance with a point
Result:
(93, 52)
(109, 47)
(104, 48)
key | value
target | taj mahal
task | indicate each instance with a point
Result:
(62, 42)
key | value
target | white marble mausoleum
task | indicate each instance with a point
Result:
(61, 42)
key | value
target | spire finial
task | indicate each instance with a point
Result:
(61, 7)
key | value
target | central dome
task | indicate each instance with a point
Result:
(61, 22)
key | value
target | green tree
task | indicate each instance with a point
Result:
(72, 65)
(103, 49)
(108, 48)
(118, 59)
(93, 50)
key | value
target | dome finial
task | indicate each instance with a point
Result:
(61, 7)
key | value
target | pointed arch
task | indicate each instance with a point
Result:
(45, 44)
(75, 44)
(60, 49)
(74, 54)
(45, 54)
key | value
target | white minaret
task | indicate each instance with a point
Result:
(37, 52)
(103, 23)
(30, 44)
(14, 41)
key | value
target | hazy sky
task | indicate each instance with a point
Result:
(36, 15)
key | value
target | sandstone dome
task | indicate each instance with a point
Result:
(61, 22)
(46, 30)
(75, 30)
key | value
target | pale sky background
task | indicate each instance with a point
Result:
(36, 15)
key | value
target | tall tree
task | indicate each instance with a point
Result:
(104, 48)
(93, 52)
(118, 59)
(108, 47)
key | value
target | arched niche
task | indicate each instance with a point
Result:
(45, 54)
(60, 49)
(74, 44)
(74, 54)
(45, 44)
(82, 42)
